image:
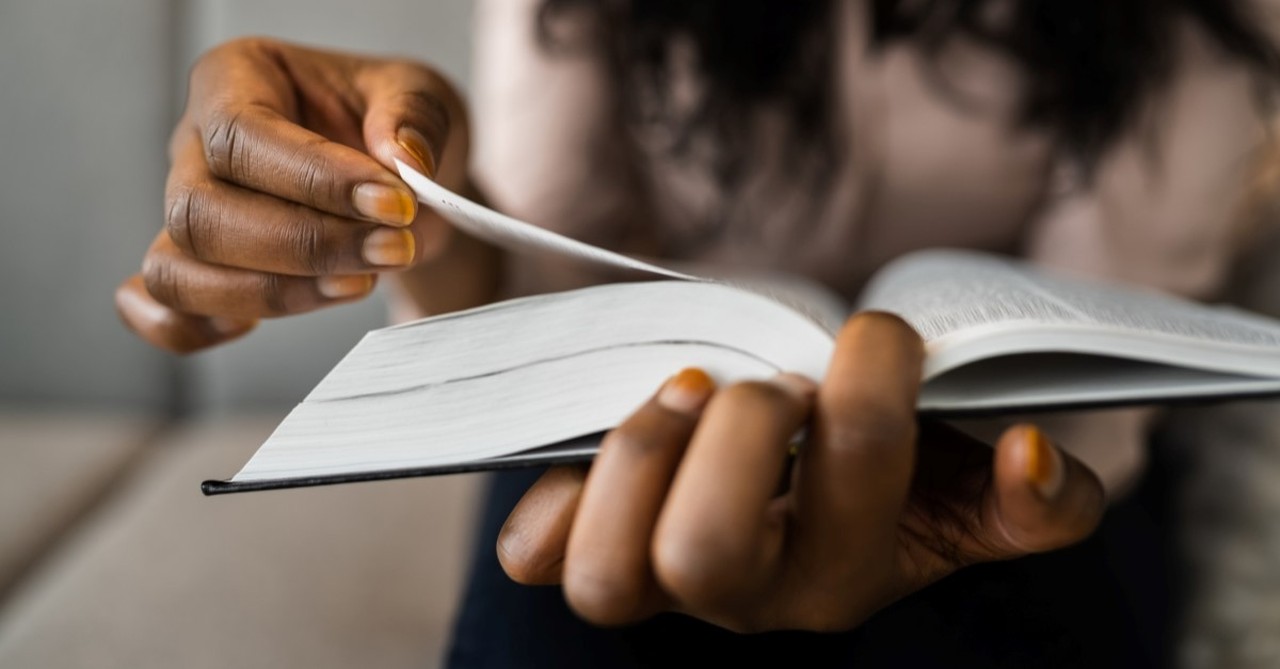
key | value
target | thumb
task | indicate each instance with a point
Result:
(411, 114)
(1040, 498)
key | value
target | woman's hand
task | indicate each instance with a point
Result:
(280, 198)
(690, 506)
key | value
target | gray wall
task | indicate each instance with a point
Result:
(88, 91)
(84, 105)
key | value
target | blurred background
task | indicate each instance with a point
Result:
(109, 557)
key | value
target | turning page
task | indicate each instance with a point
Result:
(515, 235)
(806, 297)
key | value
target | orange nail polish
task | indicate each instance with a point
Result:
(342, 287)
(384, 204)
(1045, 468)
(412, 141)
(385, 247)
(687, 391)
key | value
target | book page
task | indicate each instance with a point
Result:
(513, 235)
(944, 292)
(1022, 383)
(459, 387)
(810, 299)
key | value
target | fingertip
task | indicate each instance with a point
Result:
(1043, 465)
(687, 392)
(410, 115)
(884, 321)
(1045, 498)
(171, 330)
(531, 544)
(390, 248)
(231, 328)
(345, 286)
(395, 206)
(876, 347)
(518, 562)
(419, 150)
(1026, 460)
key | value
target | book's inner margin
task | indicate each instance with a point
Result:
(960, 300)
(1035, 381)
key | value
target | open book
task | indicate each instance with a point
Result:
(537, 380)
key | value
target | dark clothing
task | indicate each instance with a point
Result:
(1104, 603)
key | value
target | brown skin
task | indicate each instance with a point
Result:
(270, 212)
(876, 508)
(281, 197)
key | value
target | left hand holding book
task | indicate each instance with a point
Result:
(682, 508)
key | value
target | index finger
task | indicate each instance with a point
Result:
(246, 111)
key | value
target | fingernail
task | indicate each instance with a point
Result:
(384, 204)
(796, 385)
(412, 141)
(339, 287)
(1044, 464)
(228, 327)
(385, 247)
(687, 391)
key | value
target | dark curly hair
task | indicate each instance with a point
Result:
(1091, 62)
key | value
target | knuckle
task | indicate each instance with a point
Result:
(250, 43)
(187, 218)
(223, 130)
(163, 280)
(307, 242)
(209, 62)
(224, 142)
(430, 109)
(272, 289)
(245, 43)
(695, 570)
(206, 61)
(315, 175)
(524, 564)
(409, 67)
